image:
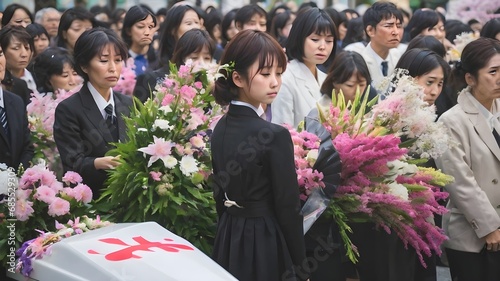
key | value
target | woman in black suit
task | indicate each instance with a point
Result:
(87, 122)
(259, 234)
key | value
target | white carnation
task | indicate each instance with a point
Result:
(188, 165)
(398, 190)
(170, 162)
(165, 109)
(312, 156)
(162, 124)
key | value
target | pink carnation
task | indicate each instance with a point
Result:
(82, 193)
(45, 194)
(59, 207)
(72, 178)
(23, 209)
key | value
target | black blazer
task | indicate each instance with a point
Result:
(253, 161)
(146, 82)
(81, 134)
(17, 86)
(18, 149)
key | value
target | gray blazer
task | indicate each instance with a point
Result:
(474, 206)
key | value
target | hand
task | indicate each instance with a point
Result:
(493, 241)
(106, 163)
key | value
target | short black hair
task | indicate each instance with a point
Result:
(67, 18)
(346, 64)
(491, 28)
(13, 31)
(245, 14)
(10, 10)
(91, 43)
(380, 11)
(427, 42)
(134, 14)
(419, 62)
(422, 20)
(192, 41)
(47, 63)
(309, 21)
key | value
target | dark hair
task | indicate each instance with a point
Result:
(475, 56)
(422, 61)
(13, 31)
(213, 18)
(278, 23)
(245, 49)
(116, 15)
(245, 14)
(169, 27)
(67, 18)
(9, 11)
(91, 43)
(422, 20)
(161, 12)
(309, 21)
(343, 67)
(491, 28)
(134, 14)
(427, 42)
(350, 11)
(192, 41)
(274, 12)
(381, 11)
(337, 17)
(454, 28)
(307, 5)
(47, 63)
(226, 23)
(355, 32)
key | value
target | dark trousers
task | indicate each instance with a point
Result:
(383, 256)
(465, 266)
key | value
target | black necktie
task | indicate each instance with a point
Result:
(497, 137)
(384, 68)
(3, 121)
(111, 122)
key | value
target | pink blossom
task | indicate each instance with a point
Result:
(187, 93)
(159, 149)
(72, 178)
(167, 99)
(184, 71)
(156, 176)
(82, 193)
(45, 194)
(126, 83)
(197, 141)
(69, 192)
(23, 209)
(58, 207)
(198, 85)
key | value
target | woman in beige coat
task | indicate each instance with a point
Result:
(473, 221)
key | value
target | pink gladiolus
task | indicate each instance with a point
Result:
(72, 178)
(58, 207)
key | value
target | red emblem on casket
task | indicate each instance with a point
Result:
(143, 245)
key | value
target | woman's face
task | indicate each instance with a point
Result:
(17, 54)
(342, 30)
(142, 32)
(231, 31)
(20, 18)
(288, 26)
(350, 86)
(74, 31)
(41, 43)
(437, 31)
(432, 82)
(201, 58)
(487, 85)
(104, 69)
(67, 80)
(257, 22)
(317, 48)
(191, 20)
(2, 64)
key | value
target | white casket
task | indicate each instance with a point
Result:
(126, 252)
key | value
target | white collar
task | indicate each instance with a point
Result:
(377, 58)
(100, 101)
(491, 117)
(259, 110)
(2, 104)
(30, 81)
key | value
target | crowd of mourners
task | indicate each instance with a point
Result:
(287, 62)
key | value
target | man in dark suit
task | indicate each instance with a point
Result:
(82, 134)
(15, 139)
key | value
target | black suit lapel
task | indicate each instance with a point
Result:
(13, 124)
(94, 115)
